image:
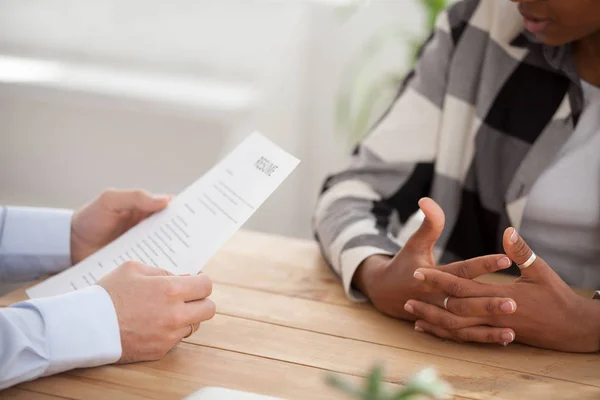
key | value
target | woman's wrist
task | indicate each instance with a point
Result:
(591, 319)
(367, 272)
(595, 314)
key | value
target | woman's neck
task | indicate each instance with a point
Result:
(587, 58)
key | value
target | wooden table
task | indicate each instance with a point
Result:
(283, 323)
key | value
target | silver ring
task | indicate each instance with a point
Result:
(529, 261)
(446, 302)
(192, 330)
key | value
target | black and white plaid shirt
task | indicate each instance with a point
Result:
(474, 125)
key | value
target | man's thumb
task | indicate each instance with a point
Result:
(532, 267)
(431, 228)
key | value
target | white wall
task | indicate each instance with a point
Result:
(280, 61)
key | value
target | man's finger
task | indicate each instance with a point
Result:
(518, 250)
(189, 288)
(186, 331)
(424, 239)
(481, 306)
(475, 267)
(134, 200)
(199, 311)
(439, 316)
(478, 334)
(457, 287)
(192, 315)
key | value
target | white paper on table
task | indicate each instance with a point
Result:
(195, 224)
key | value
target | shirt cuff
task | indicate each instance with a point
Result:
(350, 260)
(81, 327)
(34, 242)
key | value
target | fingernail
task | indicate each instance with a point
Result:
(508, 307)
(419, 276)
(409, 308)
(514, 236)
(419, 329)
(504, 262)
(508, 337)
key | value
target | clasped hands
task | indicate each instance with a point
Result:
(538, 308)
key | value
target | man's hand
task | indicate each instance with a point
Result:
(389, 282)
(155, 309)
(108, 217)
(549, 313)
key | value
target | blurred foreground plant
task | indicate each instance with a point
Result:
(426, 384)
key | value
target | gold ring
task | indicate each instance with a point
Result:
(192, 330)
(529, 261)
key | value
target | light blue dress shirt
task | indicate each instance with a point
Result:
(45, 336)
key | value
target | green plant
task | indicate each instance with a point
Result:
(359, 98)
(426, 384)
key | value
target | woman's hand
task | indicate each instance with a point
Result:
(388, 282)
(549, 314)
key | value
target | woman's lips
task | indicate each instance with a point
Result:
(535, 25)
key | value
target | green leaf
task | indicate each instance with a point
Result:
(344, 386)
(404, 394)
(432, 9)
(373, 388)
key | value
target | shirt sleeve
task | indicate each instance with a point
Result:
(49, 335)
(372, 206)
(33, 242)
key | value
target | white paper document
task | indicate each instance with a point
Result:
(183, 237)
